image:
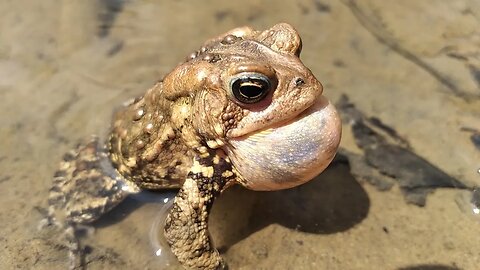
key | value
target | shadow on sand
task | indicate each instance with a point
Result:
(332, 202)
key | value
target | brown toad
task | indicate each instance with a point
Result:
(241, 110)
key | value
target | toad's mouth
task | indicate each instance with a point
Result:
(289, 153)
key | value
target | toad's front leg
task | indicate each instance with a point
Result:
(186, 226)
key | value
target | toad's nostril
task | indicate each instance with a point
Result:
(299, 82)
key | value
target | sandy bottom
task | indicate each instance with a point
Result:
(66, 65)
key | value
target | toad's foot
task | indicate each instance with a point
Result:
(85, 187)
(186, 224)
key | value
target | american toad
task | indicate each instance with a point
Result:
(241, 110)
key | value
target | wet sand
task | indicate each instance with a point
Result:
(66, 65)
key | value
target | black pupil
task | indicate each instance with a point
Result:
(250, 90)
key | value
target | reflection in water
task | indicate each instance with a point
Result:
(157, 240)
(135, 225)
(160, 248)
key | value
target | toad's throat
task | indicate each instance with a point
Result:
(289, 153)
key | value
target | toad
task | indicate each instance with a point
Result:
(243, 109)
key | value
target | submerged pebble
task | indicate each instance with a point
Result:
(469, 202)
(475, 202)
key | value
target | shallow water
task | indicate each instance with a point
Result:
(66, 65)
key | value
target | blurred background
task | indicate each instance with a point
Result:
(409, 69)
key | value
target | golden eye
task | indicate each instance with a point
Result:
(250, 88)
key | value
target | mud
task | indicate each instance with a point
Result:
(413, 65)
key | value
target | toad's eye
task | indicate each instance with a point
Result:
(250, 88)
